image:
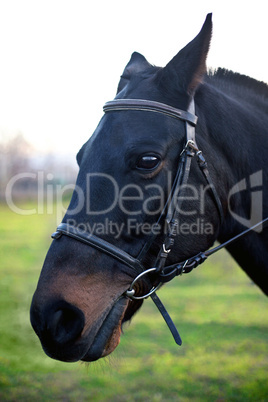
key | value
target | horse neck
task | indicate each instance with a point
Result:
(239, 138)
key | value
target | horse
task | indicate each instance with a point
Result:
(177, 162)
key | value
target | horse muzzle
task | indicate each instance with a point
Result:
(64, 335)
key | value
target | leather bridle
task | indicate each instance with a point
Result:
(161, 272)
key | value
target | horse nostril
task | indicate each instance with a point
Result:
(65, 322)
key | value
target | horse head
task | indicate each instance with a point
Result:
(127, 169)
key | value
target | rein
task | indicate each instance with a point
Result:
(161, 272)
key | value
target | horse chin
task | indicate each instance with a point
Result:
(108, 335)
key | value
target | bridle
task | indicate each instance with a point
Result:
(161, 272)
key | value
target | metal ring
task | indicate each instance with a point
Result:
(131, 292)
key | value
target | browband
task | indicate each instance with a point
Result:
(149, 106)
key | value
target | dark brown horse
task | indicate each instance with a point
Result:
(144, 189)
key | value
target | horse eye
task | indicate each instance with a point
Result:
(148, 162)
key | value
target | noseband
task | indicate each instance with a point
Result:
(160, 271)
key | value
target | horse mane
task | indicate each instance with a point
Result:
(243, 88)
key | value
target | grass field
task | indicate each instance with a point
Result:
(222, 318)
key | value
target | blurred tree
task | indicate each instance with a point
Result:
(15, 156)
(18, 156)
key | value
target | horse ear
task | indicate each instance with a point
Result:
(185, 71)
(136, 64)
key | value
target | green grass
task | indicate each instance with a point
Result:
(222, 318)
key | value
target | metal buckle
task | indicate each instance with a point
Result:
(190, 144)
(131, 291)
(166, 251)
(184, 265)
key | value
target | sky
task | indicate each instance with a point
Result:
(61, 60)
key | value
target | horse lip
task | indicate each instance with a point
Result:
(105, 333)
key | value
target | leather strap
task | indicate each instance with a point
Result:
(203, 167)
(172, 217)
(190, 129)
(167, 318)
(99, 244)
(184, 267)
(149, 106)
